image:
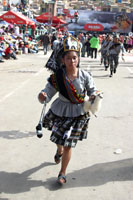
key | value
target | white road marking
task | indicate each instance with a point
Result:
(129, 70)
(20, 86)
(36, 74)
(86, 67)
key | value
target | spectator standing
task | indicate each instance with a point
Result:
(53, 39)
(130, 44)
(46, 41)
(4, 5)
(83, 41)
(125, 42)
(87, 44)
(57, 41)
(16, 30)
(94, 45)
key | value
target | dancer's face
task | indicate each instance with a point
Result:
(71, 59)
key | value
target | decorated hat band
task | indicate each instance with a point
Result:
(71, 44)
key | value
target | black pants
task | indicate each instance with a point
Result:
(93, 52)
(105, 59)
(113, 62)
(88, 52)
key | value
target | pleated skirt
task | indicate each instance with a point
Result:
(66, 131)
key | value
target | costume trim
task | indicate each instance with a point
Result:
(65, 87)
(54, 82)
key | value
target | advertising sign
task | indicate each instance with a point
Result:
(102, 21)
(93, 27)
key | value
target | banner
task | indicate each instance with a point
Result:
(109, 21)
(93, 27)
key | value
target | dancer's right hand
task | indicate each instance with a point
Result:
(42, 96)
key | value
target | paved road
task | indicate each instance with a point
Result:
(96, 172)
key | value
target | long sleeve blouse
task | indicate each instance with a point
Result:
(62, 106)
(116, 49)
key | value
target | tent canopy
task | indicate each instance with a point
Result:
(47, 17)
(16, 18)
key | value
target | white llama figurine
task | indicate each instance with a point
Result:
(93, 106)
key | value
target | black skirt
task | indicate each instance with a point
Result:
(66, 131)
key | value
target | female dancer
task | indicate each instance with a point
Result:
(66, 117)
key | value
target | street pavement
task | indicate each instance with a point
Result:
(101, 167)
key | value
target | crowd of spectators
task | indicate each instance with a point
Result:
(19, 7)
(14, 42)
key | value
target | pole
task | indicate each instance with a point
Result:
(39, 126)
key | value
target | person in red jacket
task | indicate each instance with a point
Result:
(10, 53)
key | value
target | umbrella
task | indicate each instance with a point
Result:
(47, 17)
(16, 18)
